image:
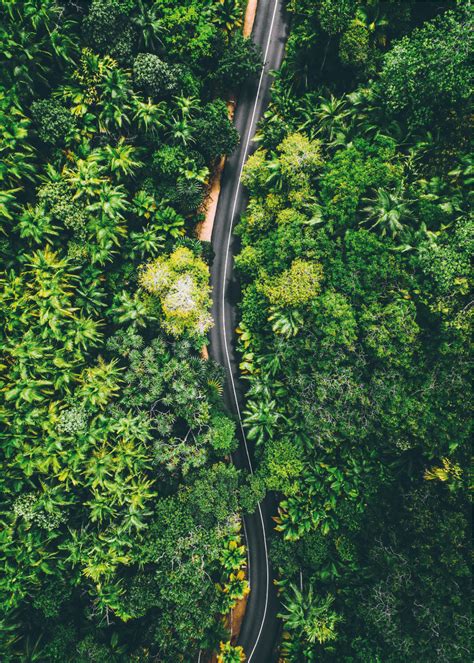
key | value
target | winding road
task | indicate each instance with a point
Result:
(259, 632)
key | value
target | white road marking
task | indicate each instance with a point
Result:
(249, 138)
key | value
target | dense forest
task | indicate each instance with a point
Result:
(355, 327)
(120, 514)
(120, 530)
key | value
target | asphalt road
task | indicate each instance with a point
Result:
(260, 628)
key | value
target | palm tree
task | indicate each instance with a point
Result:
(375, 22)
(230, 654)
(275, 177)
(169, 221)
(112, 201)
(7, 204)
(332, 117)
(143, 204)
(294, 518)
(148, 242)
(120, 160)
(149, 116)
(285, 323)
(310, 616)
(305, 112)
(16, 153)
(150, 27)
(99, 383)
(229, 14)
(261, 419)
(86, 178)
(90, 293)
(190, 171)
(84, 333)
(35, 225)
(33, 35)
(388, 210)
(130, 309)
(235, 588)
(187, 105)
(233, 557)
(114, 95)
(180, 131)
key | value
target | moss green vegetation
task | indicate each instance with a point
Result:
(356, 319)
(119, 526)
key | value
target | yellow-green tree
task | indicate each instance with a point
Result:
(180, 281)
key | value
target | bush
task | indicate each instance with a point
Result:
(51, 598)
(217, 134)
(154, 77)
(296, 286)
(89, 650)
(354, 46)
(253, 308)
(61, 644)
(180, 281)
(352, 172)
(222, 434)
(54, 123)
(252, 493)
(300, 159)
(107, 28)
(188, 195)
(240, 61)
(335, 15)
(283, 465)
(168, 160)
(429, 71)
(57, 200)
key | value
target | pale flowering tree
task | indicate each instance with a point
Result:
(181, 282)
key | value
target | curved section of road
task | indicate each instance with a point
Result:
(259, 631)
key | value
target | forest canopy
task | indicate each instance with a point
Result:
(356, 326)
(120, 514)
(120, 527)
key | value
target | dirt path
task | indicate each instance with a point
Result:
(249, 19)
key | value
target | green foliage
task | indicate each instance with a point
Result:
(223, 434)
(230, 654)
(120, 536)
(283, 465)
(229, 13)
(335, 15)
(252, 493)
(300, 159)
(296, 286)
(292, 168)
(255, 173)
(354, 45)
(154, 77)
(107, 28)
(429, 71)
(353, 172)
(113, 427)
(387, 211)
(240, 61)
(216, 133)
(181, 284)
(54, 122)
(310, 618)
(354, 332)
